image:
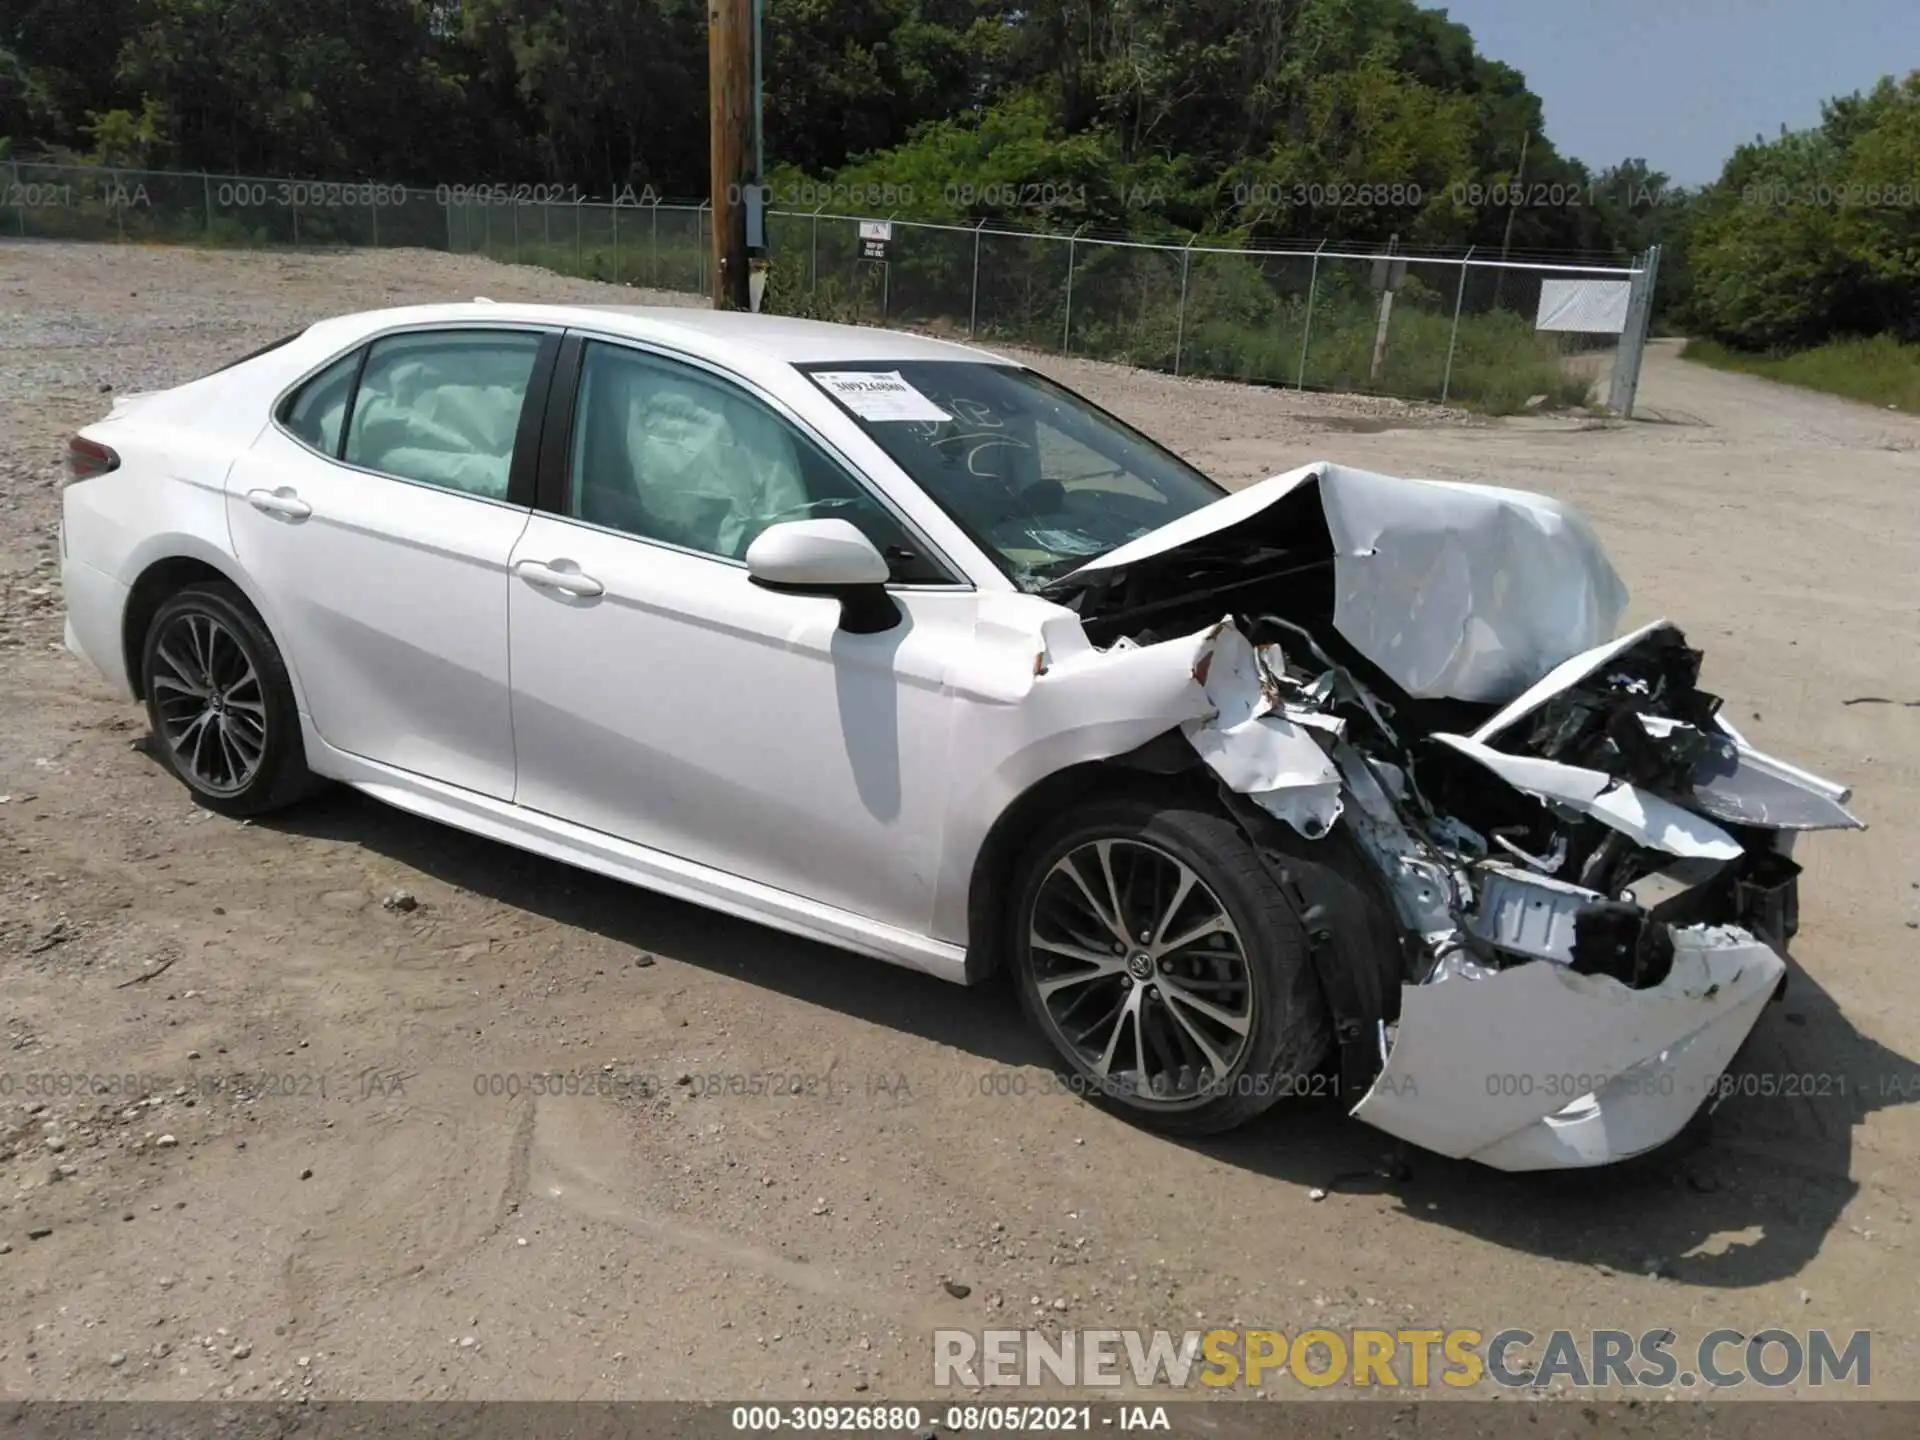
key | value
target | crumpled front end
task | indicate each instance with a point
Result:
(1593, 880)
(1592, 948)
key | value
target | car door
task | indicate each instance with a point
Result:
(378, 513)
(660, 696)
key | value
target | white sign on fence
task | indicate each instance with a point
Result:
(1588, 307)
(874, 235)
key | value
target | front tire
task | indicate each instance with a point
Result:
(220, 703)
(1165, 966)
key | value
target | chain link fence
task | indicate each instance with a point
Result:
(1462, 329)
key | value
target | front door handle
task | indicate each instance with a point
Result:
(562, 575)
(284, 501)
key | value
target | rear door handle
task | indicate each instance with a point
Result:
(283, 501)
(552, 577)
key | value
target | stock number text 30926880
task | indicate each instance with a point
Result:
(894, 1419)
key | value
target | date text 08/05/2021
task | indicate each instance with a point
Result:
(937, 1419)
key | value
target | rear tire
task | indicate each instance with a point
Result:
(1199, 1009)
(221, 705)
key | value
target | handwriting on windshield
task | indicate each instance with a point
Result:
(976, 432)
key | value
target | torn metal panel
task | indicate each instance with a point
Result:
(1565, 676)
(1742, 786)
(1259, 753)
(1456, 591)
(1636, 813)
(1729, 781)
(1537, 1067)
(1274, 763)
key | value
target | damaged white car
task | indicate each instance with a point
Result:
(901, 646)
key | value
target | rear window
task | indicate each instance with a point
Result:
(314, 411)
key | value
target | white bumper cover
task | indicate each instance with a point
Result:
(96, 605)
(1538, 1068)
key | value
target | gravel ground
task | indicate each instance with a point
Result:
(304, 1185)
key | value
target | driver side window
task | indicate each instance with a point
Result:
(664, 451)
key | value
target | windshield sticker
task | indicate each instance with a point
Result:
(879, 395)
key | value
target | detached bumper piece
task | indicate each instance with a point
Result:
(1542, 1068)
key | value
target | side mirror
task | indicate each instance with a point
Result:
(826, 557)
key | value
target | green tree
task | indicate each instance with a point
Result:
(1816, 234)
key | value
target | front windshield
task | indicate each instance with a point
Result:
(1041, 479)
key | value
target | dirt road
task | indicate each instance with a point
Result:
(311, 1178)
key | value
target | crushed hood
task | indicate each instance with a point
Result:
(1455, 591)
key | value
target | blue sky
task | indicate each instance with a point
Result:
(1682, 82)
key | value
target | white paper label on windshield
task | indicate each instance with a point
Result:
(878, 395)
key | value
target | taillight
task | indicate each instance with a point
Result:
(88, 458)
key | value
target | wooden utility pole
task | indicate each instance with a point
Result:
(730, 115)
(1515, 193)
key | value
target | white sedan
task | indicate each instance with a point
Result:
(1341, 782)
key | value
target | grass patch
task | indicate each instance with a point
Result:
(1880, 371)
(1496, 363)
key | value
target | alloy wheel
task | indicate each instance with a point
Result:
(211, 708)
(1141, 973)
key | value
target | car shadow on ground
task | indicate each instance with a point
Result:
(1743, 1197)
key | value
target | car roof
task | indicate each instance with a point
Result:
(694, 330)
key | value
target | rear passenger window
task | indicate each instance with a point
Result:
(315, 413)
(442, 408)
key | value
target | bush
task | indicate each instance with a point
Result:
(1880, 370)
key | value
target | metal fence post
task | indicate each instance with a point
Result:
(19, 198)
(653, 248)
(1306, 331)
(579, 263)
(973, 301)
(1625, 388)
(616, 240)
(516, 230)
(206, 187)
(1453, 342)
(700, 221)
(1180, 324)
(813, 253)
(373, 209)
(886, 278)
(1066, 328)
